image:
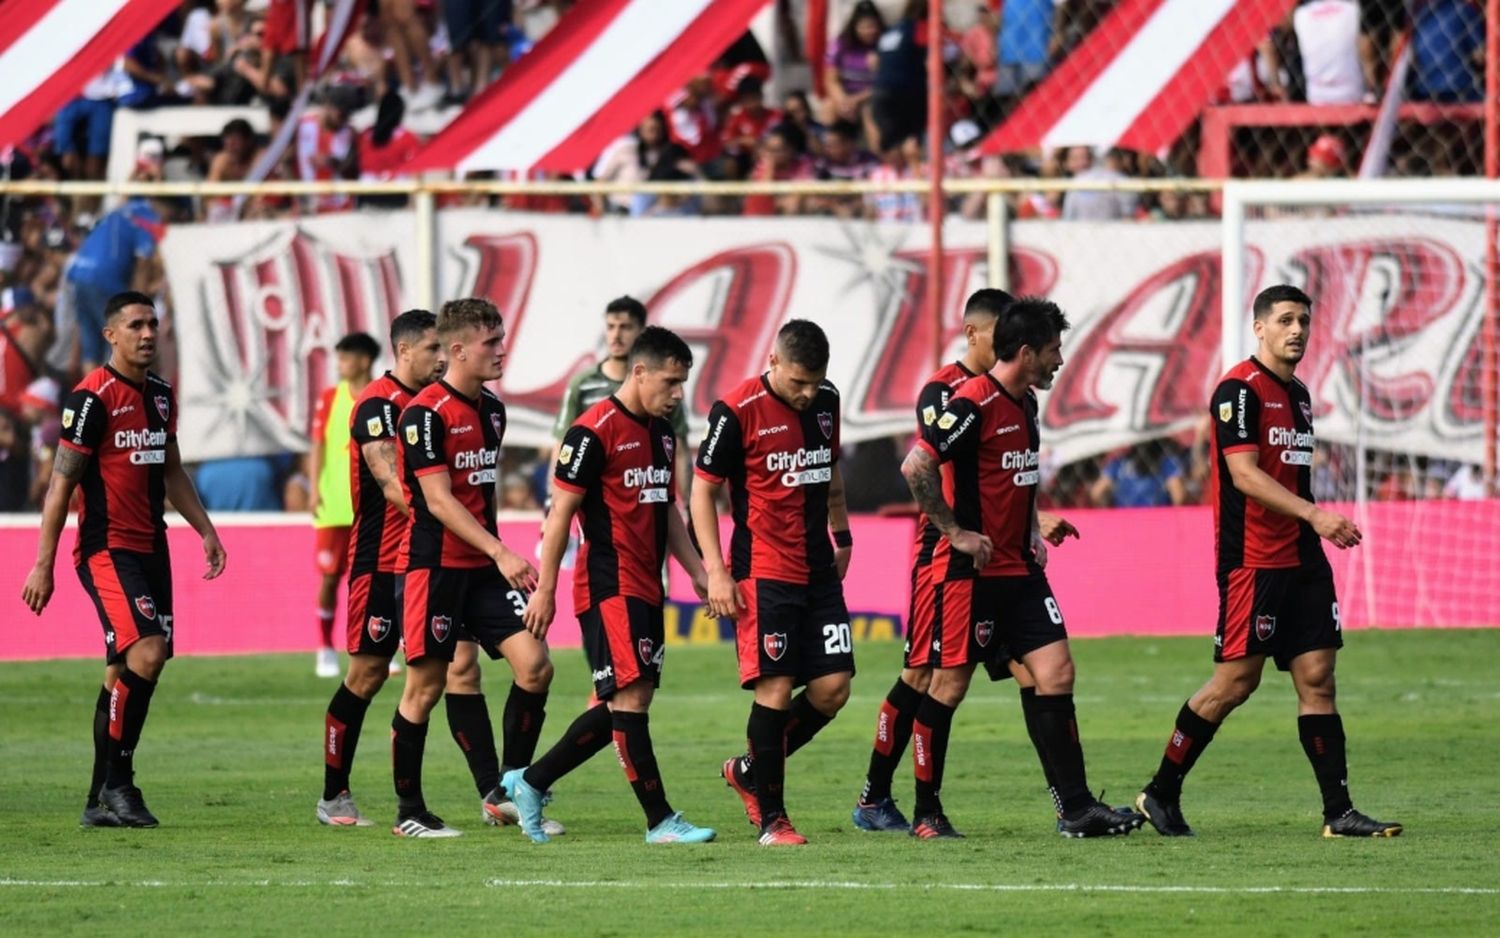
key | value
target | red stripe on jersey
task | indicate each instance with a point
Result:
(1238, 604)
(415, 585)
(112, 597)
(615, 614)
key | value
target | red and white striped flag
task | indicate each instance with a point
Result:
(606, 65)
(1141, 77)
(50, 49)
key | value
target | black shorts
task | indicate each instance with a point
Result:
(1281, 613)
(948, 628)
(133, 594)
(799, 630)
(373, 621)
(625, 640)
(442, 606)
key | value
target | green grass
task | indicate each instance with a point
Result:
(231, 763)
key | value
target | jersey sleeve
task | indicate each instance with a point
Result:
(580, 460)
(171, 414)
(422, 440)
(569, 410)
(931, 403)
(374, 419)
(1236, 416)
(319, 432)
(956, 432)
(722, 452)
(83, 419)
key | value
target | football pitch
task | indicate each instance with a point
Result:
(231, 763)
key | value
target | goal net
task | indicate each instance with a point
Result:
(1402, 371)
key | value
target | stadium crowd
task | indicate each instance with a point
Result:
(60, 258)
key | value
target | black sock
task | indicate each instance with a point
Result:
(341, 726)
(892, 732)
(128, 706)
(1033, 729)
(766, 733)
(1057, 724)
(408, 743)
(1190, 737)
(929, 750)
(804, 723)
(522, 723)
(101, 745)
(469, 722)
(632, 735)
(1323, 741)
(587, 735)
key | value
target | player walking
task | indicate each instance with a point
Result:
(615, 469)
(938, 626)
(989, 432)
(119, 443)
(459, 580)
(775, 440)
(1276, 592)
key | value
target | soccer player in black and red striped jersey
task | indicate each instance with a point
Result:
(1276, 595)
(614, 469)
(380, 513)
(937, 631)
(119, 444)
(775, 441)
(989, 432)
(459, 581)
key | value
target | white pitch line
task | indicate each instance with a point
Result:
(777, 884)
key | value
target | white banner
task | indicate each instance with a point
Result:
(1393, 361)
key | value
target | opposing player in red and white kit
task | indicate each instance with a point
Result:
(775, 441)
(119, 444)
(459, 581)
(1276, 595)
(937, 630)
(380, 513)
(615, 469)
(989, 432)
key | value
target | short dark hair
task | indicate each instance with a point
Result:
(1280, 293)
(410, 325)
(991, 302)
(656, 346)
(359, 343)
(846, 129)
(470, 312)
(630, 306)
(119, 301)
(1032, 321)
(238, 126)
(803, 342)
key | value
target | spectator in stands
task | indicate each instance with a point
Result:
(744, 126)
(1026, 31)
(1447, 46)
(1466, 483)
(326, 147)
(25, 336)
(1148, 475)
(288, 30)
(898, 99)
(80, 131)
(849, 69)
(1097, 205)
(15, 464)
(229, 26)
(386, 147)
(783, 158)
(897, 163)
(667, 204)
(1339, 64)
(979, 48)
(118, 255)
(843, 160)
(742, 60)
(796, 111)
(1326, 159)
(474, 35)
(694, 121)
(195, 46)
(634, 157)
(146, 83)
(403, 33)
(231, 164)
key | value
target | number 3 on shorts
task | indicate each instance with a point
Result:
(517, 602)
(836, 639)
(1054, 613)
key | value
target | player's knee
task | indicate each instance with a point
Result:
(147, 657)
(918, 679)
(949, 687)
(535, 676)
(1236, 691)
(634, 697)
(829, 698)
(365, 681)
(1056, 678)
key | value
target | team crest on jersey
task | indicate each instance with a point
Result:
(1306, 412)
(825, 423)
(1265, 627)
(163, 406)
(67, 418)
(775, 645)
(565, 455)
(1226, 411)
(411, 435)
(644, 647)
(374, 426)
(983, 632)
(378, 627)
(946, 421)
(146, 606)
(441, 627)
(929, 415)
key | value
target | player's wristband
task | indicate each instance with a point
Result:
(843, 539)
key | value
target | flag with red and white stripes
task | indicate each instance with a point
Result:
(50, 49)
(606, 65)
(1141, 77)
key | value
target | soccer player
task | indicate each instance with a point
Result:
(329, 459)
(989, 432)
(938, 629)
(1276, 593)
(615, 471)
(459, 580)
(379, 515)
(775, 441)
(119, 443)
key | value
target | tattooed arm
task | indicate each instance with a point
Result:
(380, 456)
(926, 483)
(68, 468)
